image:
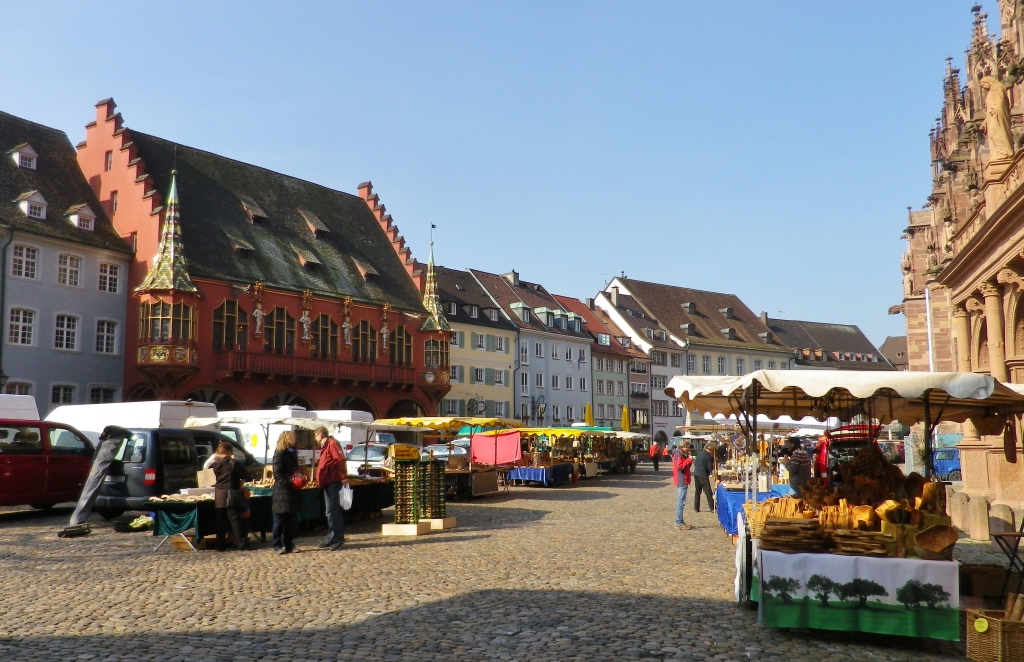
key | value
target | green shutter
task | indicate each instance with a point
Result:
(489, 343)
(508, 343)
(488, 407)
(508, 409)
(472, 375)
(489, 376)
(462, 407)
(505, 375)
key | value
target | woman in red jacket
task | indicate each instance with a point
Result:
(331, 475)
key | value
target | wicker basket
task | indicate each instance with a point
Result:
(1003, 641)
(755, 520)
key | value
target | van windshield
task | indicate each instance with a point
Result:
(133, 450)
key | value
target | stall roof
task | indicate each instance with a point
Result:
(567, 432)
(887, 396)
(450, 422)
(309, 423)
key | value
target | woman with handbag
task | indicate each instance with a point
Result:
(286, 499)
(227, 495)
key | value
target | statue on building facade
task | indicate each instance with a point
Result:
(997, 119)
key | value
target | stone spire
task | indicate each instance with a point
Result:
(436, 321)
(170, 270)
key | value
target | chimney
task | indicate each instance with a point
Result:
(512, 277)
(615, 296)
(590, 303)
(764, 318)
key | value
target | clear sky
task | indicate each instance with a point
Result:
(768, 149)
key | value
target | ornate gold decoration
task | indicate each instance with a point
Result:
(436, 320)
(169, 272)
(159, 354)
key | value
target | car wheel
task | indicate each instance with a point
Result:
(109, 513)
(955, 475)
(42, 506)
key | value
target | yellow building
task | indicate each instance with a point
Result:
(482, 358)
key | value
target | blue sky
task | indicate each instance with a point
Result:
(764, 149)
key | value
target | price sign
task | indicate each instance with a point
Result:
(403, 452)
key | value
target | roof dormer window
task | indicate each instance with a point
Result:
(33, 204)
(493, 314)
(453, 308)
(25, 156)
(550, 320)
(604, 339)
(253, 211)
(474, 312)
(82, 217)
(314, 223)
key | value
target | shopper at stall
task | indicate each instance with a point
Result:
(681, 463)
(703, 467)
(798, 464)
(331, 475)
(655, 453)
(227, 495)
(286, 499)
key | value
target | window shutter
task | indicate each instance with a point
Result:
(472, 375)
(505, 377)
(507, 343)
(488, 407)
(489, 344)
(508, 408)
(462, 407)
(472, 339)
(462, 374)
(489, 376)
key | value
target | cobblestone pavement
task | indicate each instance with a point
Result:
(591, 572)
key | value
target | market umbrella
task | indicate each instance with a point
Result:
(588, 415)
(625, 419)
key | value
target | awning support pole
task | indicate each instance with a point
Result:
(927, 435)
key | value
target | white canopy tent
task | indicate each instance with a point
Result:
(910, 397)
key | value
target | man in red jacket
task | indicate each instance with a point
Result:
(681, 463)
(331, 475)
(655, 453)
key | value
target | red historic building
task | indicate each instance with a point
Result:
(253, 289)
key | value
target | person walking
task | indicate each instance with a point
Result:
(286, 500)
(655, 453)
(681, 463)
(703, 467)
(230, 475)
(331, 475)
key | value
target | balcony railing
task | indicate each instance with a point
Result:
(295, 366)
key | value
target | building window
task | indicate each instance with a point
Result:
(83, 221)
(279, 332)
(568, 353)
(113, 202)
(771, 365)
(539, 383)
(453, 309)
(324, 337)
(458, 339)
(524, 411)
(108, 160)
(479, 341)
(26, 161)
(478, 376)
(659, 407)
(568, 382)
(450, 407)
(604, 339)
(66, 333)
(400, 347)
(499, 409)
(499, 378)
(474, 312)
(637, 388)
(18, 388)
(556, 413)
(109, 274)
(21, 327)
(524, 383)
(598, 363)
(230, 326)
(164, 322)
(554, 381)
(721, 365)
(106, 337)
(583, 383)
(618, 388)
(659, 382)
(618, 366)
(69, 270)
(677, 410)
(364, 343)
(659, 358)
(524, 353)
(757, 364)
(640, 417)
(62, 394)
(493, 314)
(455, 373)
(435, 353)
(600, 411)
(600, 386)
(500, 344)
(23, 264)
(538, 350)
(554, 351)
(706, 364)
(740, 365)
(101, 395)
(691, 363)
(570, 413)
(675, 360)
(638, 367)
(36, 211)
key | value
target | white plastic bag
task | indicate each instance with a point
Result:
(345, 497)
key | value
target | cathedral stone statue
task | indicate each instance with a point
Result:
(997, 119)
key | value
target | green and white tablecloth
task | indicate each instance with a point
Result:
(909, 597)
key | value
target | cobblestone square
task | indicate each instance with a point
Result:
(595, 571)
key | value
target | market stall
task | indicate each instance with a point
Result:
(866, 548)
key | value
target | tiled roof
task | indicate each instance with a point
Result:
(218, 196)
(825, 340)
(706, 314)
(533, 295)
(639, 321)
(895, 350)
(58, 179)
(459, 287)
(594, 322)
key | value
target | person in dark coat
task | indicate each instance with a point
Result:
(230, 476)
(110, 440)
(286, 499)
(703, 468)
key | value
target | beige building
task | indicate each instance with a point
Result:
(482, 345)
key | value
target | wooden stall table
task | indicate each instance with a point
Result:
(174, 518)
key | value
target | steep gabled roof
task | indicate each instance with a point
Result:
(58, 179)
(828, 339)
(532, 295)
(594, 322)
(705, 314)
(638, 320)
(459, 287)
(218, 195)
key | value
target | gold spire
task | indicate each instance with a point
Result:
(170, 270)
(436, 321)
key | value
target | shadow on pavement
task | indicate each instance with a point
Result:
(496, 624)
(563, 493)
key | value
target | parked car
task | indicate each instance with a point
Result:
(161, 461)
(363, 456)
(444, 451)
(841, 445)
(946, 462)
(42, 463)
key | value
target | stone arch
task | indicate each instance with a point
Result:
(287, 398)
(354, 402)
(980, 345)
(406, 408)
(661, 437)
(223, 400)
(140, 393)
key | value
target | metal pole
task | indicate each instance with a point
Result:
(928, 320)
(927, 435)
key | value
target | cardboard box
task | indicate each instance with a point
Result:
(206, 478)
(406, 529)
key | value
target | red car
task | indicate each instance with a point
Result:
(42, 463)
(841, 445)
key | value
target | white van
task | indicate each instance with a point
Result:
(91, 419)
(19, 407)
(260, 440)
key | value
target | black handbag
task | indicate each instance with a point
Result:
(235, 498)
